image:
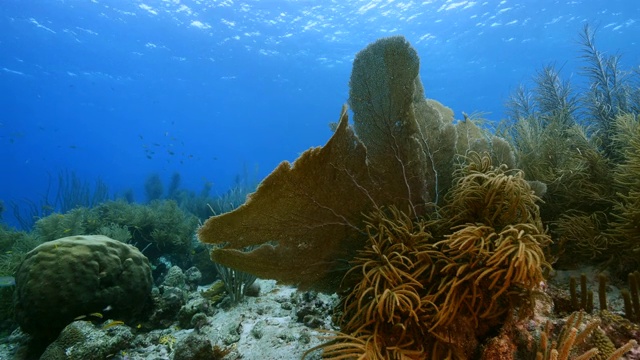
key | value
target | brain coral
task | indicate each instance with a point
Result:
(79, 275)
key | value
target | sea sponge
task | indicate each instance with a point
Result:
(74, 276)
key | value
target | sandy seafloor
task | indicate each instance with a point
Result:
(271, 326)
(263, 327)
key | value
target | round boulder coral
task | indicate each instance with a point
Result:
(75, 276)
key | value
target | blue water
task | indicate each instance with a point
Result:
(120, 89)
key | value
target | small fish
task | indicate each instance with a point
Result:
(112, 324)
(95, 314)
(6, 281)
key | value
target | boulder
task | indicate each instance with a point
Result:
(75, 277)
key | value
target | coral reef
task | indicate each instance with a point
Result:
(432, 233)
(414, 296)
(159, 228)
(70, 192)
(153, 187)
(401, 157)
(584, 147)
(443, 254)
(624, 231)
(82, 340)
(611, 91)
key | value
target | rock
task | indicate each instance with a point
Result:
(174, 278)
(196, 304)
(83, 340)
(252, 290)
(167, 302)
(194, 347)
(193, 276)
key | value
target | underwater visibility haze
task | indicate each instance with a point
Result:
(118, 90)
(484, 160)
